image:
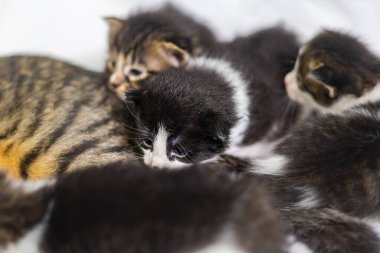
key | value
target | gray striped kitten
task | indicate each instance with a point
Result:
(55, 117)
(130, 208)
(332, 160)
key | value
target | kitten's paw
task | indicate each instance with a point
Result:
(232, 164)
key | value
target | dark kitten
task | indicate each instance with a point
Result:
(329, 161)
(329, 231)
(217, 104)
(334, 72)
(150, 42)
(130, 208)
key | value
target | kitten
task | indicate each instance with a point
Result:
(217, 104)
(327, 230)
(334, 71)
(130, 208)
(329, 161)
(150, 42)
(332, 160)
(56, 117)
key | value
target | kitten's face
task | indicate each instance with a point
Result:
(134, 57)
(175, 146)
(176, 126)
(333, 72)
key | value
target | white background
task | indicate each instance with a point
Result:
(74, 30)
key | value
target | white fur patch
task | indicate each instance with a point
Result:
(271, 165)
(158, 158)
(374, 224)
(258, 149)
(366, 113)
(224, 244)
(297, 246)
(30, 243)
(29, 186)
(309, 198)
(240, 92)
(344, 103)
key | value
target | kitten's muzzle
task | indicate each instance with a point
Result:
(116, 79)
(290, 78)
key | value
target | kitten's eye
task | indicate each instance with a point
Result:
(324, 74)
(213, 149)
(135, 72)
(178, 152)
(112, 64)
(148, 143)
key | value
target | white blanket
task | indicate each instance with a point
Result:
(74, 30)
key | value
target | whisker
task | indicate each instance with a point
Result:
(134, 115)
(138, 145)
(133, 128)
(132, 132)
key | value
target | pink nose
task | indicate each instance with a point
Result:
(290, 78)
(157, 163)
(116, 79)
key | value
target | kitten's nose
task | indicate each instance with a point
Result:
(116, 79)
(290, 78)
(157, 163)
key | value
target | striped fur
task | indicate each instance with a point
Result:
(54, 117)
(150, 42)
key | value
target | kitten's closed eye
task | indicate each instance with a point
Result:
(178, 152)
(135, 72)
(111, 65)
(147, 143)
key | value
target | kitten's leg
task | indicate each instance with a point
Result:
(23, 210)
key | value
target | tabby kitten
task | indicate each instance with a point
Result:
(150, 42)
(223, 103)
(334, 72)
(55, 117)
(193, 211)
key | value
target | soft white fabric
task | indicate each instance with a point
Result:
(74, 29)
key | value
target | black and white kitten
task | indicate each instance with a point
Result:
(334, 71)
(217, 104)
(131, 208)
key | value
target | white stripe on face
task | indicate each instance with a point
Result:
(158, 158)
(239, 88)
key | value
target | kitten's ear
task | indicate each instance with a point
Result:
(114, 24)
(217, 126)
(324, 76)
(172, 53)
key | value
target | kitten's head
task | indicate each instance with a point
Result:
(142, 45)
(184, 116)
(334, 72)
